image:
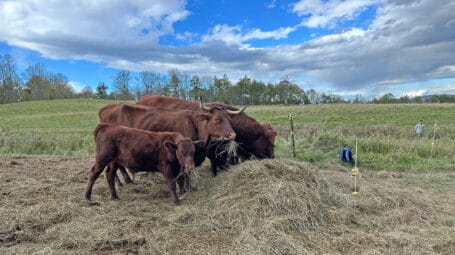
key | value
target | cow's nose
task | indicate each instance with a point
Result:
(231, 136)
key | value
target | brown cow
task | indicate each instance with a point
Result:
(255, 139)
(195, 125)
(177, 103)
(166, 152)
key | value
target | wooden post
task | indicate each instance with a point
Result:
(291, 121)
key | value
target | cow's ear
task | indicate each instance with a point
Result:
(202, 116)
(199, 143)
(271, 134)
(170, 145)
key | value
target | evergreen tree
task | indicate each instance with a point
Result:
(195, 88)
(101, 91)
(174, 83)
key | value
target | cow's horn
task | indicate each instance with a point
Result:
(238, 111)
(203, 106)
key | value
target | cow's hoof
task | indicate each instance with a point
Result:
(115, 198)
(191, 189)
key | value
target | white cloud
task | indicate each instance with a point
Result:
(61, 29)
(280, 33)
(235, 35)
(416, 93)
(443, 89)
(186, 37)
(271, 4)
(231, 35)
(319, 13)
(340, 37)
(77, 87)
(398, 47)
(442, 72)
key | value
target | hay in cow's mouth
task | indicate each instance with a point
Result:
(230, 148)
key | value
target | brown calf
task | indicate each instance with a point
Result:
(166, 152)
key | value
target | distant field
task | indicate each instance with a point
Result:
(384, 132)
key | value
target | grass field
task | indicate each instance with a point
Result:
(384, 132)
(274, 206)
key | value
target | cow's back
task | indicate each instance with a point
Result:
(122, 114)
(169, 102)
(105, 112)
(154, 119)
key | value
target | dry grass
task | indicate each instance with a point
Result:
(258, 207)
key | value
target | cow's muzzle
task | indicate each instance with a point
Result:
(231, 136)
(188, 168)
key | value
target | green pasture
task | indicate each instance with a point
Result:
(384, 132)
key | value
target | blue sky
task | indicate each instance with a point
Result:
(367, 47)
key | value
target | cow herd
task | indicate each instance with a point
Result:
(172, 136)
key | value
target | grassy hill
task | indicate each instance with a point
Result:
(384, 132)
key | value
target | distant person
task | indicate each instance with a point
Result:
(418, 130)
(346, 155)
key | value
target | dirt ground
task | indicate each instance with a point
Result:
(258, 207)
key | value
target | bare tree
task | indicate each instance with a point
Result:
(121, 84)
(150, 81)
(10, 83)
(185, 86)
(36, 82)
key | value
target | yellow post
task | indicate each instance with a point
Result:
(355, 172)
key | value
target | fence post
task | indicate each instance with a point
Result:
(433, 140)
(291, 121)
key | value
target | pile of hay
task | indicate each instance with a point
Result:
(275, 206)
(268, 205)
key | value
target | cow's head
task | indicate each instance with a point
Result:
(184, 152)
(217, 125)
(264, 145)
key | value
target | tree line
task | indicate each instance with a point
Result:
(246, 91)
(37, 83)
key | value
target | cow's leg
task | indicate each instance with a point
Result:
(111, 174)
(187, 183)
(200, 154)
(213, 165)
(172, 184)
(97, 169)
(223, 163)
(233, 160)
(117, 180)
(125, 175)
(181, 181)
